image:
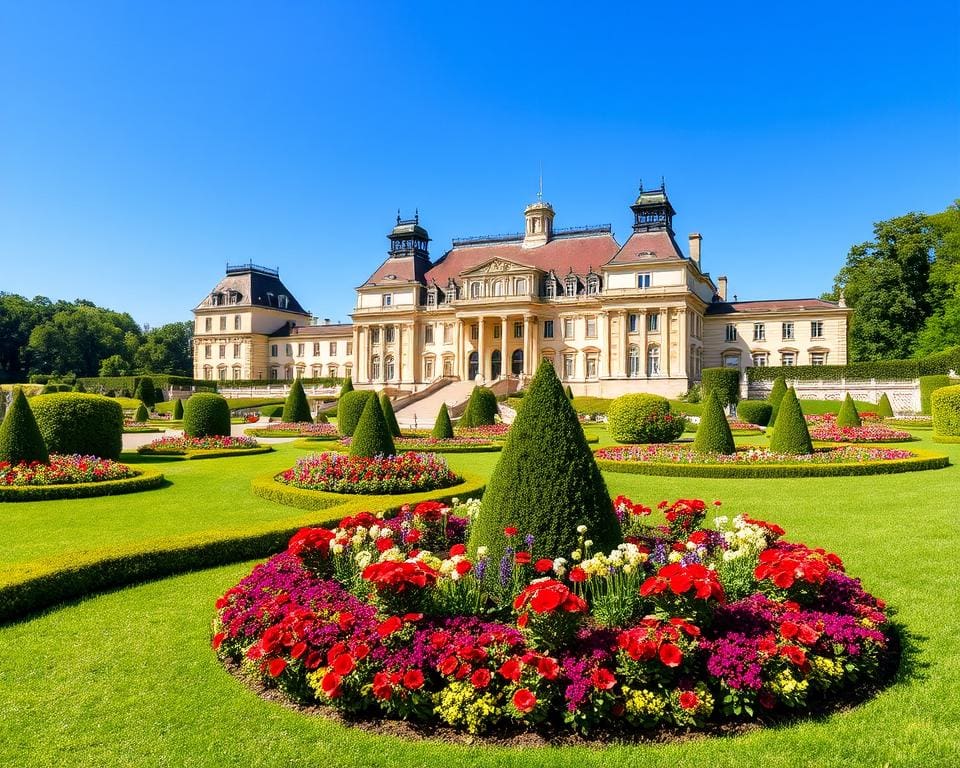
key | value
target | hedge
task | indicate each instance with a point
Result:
(724, 381)
(144, 481)
(212, 453)
(643, 418)
(95, 383)
(922, 461)
(372, 436)
(927, 386)
(442, 428)
(945, 404)
(73, 422)
(206, 414)
(268, 432)
(946, 438)
(848, 416)
(755, 411)
(350, 408)
(884, 370)
(481, 409)
(884, 409)
(713, 431)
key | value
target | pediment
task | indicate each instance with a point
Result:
(498, 266)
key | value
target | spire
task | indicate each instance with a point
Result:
(540, 193)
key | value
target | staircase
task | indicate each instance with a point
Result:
(421, 414)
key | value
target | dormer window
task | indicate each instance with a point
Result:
(474, 290)
(432, 297)
(283, 300)
(270, 299)
(593, 284)
(551, 288)
(451, 290)
(216, 299)
(570, 285)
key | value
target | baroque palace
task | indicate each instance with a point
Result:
(642, 316)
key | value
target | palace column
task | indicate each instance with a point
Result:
(642, 319)
(527, 345)
(603, 364)
(458, 349)
(683, 345)
(383, 351)
(665, 333)
(356, 352)
(481, 351)
(503, 347)
(623, 366)
(399, 369)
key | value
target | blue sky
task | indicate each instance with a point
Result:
(145, 145)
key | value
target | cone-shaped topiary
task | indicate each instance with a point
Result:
(350, 408)
(713, 432)
(388, 414)
(178, 409)
(776, 395)
(206, 414)
(372, 436)
(481, 408)
(20, 438)
(569, 390)
(442, 428)
(884, 409)
(142, 414)
(546, 482)
(346, 387)
(296, 408)
(848, 416)
(146, 392)
(791, 435)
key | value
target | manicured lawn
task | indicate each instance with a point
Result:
(128, 678)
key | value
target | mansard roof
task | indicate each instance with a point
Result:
(327, 330)
(406, 269)
(643, 247)
(771, 305)
(249, 285)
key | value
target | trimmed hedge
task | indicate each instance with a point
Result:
(296, 408)
(206, 415)
(713, 431)
(442, 428)
(96, 383)
(755, 411)
(928, 384)
(178, 410)
(372, 436)
(884, 409)
(791, 434)
(146, 480)
(73, 422)
(643, 418)
(213, 453)
(142, 413)
(946, 438)
(20, 437)
(481, 409)
(945, 404)
(724, 381)
(389, 416)
(775, 398)
(350, 408)
(883, 370)
(146, 392)
(848, 416)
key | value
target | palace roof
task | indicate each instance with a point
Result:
(249, 285)
(772, 305)
(642, 247)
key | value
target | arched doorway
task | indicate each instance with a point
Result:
(495, 364)
(516, 362)
(473, 366)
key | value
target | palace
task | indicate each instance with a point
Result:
(642, 316)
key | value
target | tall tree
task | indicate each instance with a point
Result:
(76, 340)
(942, 327)
(166, 349)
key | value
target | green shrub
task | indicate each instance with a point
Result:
(391, 418)
(350, 408)
(146, 392)
(945, 403)
(791, 434)
(347, 386)
(178, 409)
(74, 422)
(692, 395)
(372, 436)
(848, 416)
(442, 428)
(724, 381)
(642, 418)
(884, 370)
(296, 408)
(144, 480)
(713, 431)
(142, 414)
(775, 397)
(569, 390)
(78, 387)
(755, 411)
(927, 386)
(49, 389)
(481, 408)
(587, 405)
(158, 395)
(271, 411)
(546, 482)
(884, 409)
(206, 414)
(20, 438)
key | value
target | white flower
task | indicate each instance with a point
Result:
(691, 546)
(576, 555)
(721, 521)
(675, 557)
(336, 548)
(363, 558)
(374, 531)
(482, 552)
(581, 529)
(588, 543)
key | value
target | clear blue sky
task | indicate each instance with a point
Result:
(144, 145)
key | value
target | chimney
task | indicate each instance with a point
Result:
(722, 287)
(326, 321)
(695, 239)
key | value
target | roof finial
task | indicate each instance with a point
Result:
(641, 185)
(540, 193)
(416, 215)
(663, 184)
(398, 215)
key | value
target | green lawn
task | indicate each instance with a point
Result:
(128, 678)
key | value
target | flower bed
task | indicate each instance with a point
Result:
(71, 477)
(485, 431)
(681, 626)
(297, 429)
(440, 445)
(868, 433)
(214, 446)
(831, 418)
(340, 473)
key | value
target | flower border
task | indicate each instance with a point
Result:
(144, 480)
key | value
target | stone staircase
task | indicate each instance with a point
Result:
(421, 414)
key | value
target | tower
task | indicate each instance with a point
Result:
(409, 240)
(539, 229)
(652, 211)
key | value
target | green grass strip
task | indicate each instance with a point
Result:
(145, 480)
(213, 453)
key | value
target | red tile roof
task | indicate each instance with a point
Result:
(772, 305)
(647, 246)
(403, 269)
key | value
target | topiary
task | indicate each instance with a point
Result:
(776, 395)
(320, 418)
(442, 428)
(928, 384)
(945, 404)
(546, 482)
(49, 389)
(178, 409)
(848, 416)
(372, 436)
(755, 411)
(724, 381)
(158, 395)
(569, 390)
(642, 418)
(142, 414)
(296, 408)
(206, 414)
(350, 408)
(791, 435)
(20, 438)
(146, 392)
(391, 418)
(884, 409)
(481, 408)
(75, 422)
(346, 387)
(713, 431)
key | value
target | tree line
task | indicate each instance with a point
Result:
(40, 336)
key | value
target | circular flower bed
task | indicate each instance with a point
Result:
(485, 431)
(71, 477)
(296, 429)
(682, 626)
(212, 446)
(340, 473)
(440, 445)
(868, 433)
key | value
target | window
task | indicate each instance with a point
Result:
(216, 299)
(474, 290)
(633, 362)
(428, 369)
(653, 360)
(274, 373)
(518, 330)
(208, 324)
(428, 336)
(816, 331)
(591, 327)
(496, 331)
(374, 335)
(375, 367)
(786, 331)
(521, 286)
(569, 366)
(332, 371)
(386, 300)
(432, 298)
(333, 349)
(591, 366)
(447, 333)
(222, 351)
(283, 301)
(390, 333)
(237, 322)
(788, 359)
(498, 288)
(568, 329)
(207, 351)
(593, 285)
(643, 280)
(759, 332)
(474, 332)
(300, 349)
(349, 348)
(548, 329)
(223, 323)
(288, 350)
(222, 374)
(516, 362)
(389, 370)
(818, 358)
(273, 350)
(316, 349)
(448, 366)
(731, 360)
(570, 285)
(235, 374)
(653, 322)
(760, 360)
(730, 333)
(632, 323)
(551, 288)
(236, 350)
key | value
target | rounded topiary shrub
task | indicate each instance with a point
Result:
(724, 381)
(442, 428)
(754, 411)
(481, 408)
(546, 482)
(372, 435)
(791, 434)
(350, 408)
(945, 404)
(713, 432)
(884, 409)
(146, 392)
(142, 413)
(848, 416)
(20, 438)
(178, 409)
(206, 414)
(296, 409)
(776, 396)
(642, 418)
(74, 422)
(391, 418)
(928, 385)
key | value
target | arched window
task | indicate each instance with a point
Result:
(348, 370)
(520, 287)
(473, 365)
(495, 364)
(389, 373)
(332, 371)
(571, 285)
(498, 288)
(474, 290)
(653, 360)
(633, 362)
(207, 372)
(375, 367)
(593, 284)
(288, 372)
(551, 288)
(448, 366)
(236, 372)
(516, 362)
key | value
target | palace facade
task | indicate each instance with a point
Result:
(642, 316)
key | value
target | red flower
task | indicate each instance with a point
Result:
(449, 665)
(524, 701)
(389, 626)
(344, 664)
(523, 619)
(457, 549)
(510, 669)
(689, 700)
(218, 639)
(331, 685)
(310, 540)
(789, 630)
(480, 678)
(382, 688)
(276, 667)
(431, 511)
(670, 655)
(522, 558)
(463, 567)
(345, 620)
(544, 565)
(796, 656)
(511, 530)
(548, 595)
(577, 574)
(548, 668)
(413, 679)
(298, 650)
(397, 578)
(412, 537)
(603, 679)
